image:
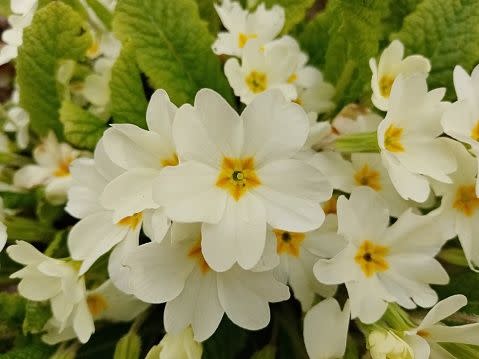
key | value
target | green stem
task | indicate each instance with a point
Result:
(357, 142)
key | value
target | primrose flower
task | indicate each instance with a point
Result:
(262, 25)
(383, 263)
(392, 64)
(175, 271)
(425, 338)
(237, 173)
(52, 169)
(408, 138)
(386, 344)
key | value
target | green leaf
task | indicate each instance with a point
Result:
(354, 35)
(57, 32)
(295, 11)
(105, 16)
(226, 342)
(74, 4)
(29, 230)
(173, 46)
(268, 352)
(82, 128)
(128, 347)
(208, 13)
(46, 212)
(36, 350)
(12, 309)
(5, 8)
(398, 10)
(36, 315)
(20, 200)
(128, 101)
(447, 32)
(466, 283)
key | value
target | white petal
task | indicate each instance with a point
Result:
(419, 345)
(39, 287)
(340, 269)
(31, 176)
(368, 299)
(462, 334)
(156, 224)
(83, 322)
(24, 253)
(337, 170)
(442, 310)
(119, 272)
(160, 113)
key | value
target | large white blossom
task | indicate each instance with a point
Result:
(237, 173)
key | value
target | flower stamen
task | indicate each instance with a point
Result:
(371, 258)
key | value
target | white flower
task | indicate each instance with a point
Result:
(391, 65)
(104, 303)
(355, 119)
(13, 38)
(237, 173)
(263, 25)
(18, 121)
(459, 210)
(365, 169)
(385, 344)
(143, 154)
(296, 254)
(383, 264)
(175, 271)
(263, 68)
(52, 169)
(326, 330)
(45, 278)
(98, 231)
(175, 346)
(461, 119)
(408, 138)
(426, 337)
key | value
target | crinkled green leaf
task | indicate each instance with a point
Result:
(173, 46)
(128, 101)
(12, 309)
(295, 11)
(208, 13)
(36, 315)
(35, 350)
(398, 10)
(74, 4)
(82, 128)
(447, 32)
(57, 32)
(20, 200)
(128, 347)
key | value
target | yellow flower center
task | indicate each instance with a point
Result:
(330, 206)
(131, 221)
(244, 38)
(475, 132)
(385, 85)
(371, 258)
(97, 304)
(63, 168)
(423, 333)
(392, 139)
(237, 176)
(466, 200)
(366, 176)
(94, 50)
(288, 242)
(172, 161)
(299, 101)
(257, 81)
(292, 78)
(196, 254)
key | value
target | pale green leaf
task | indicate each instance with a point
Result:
(173, 46)
(57, 33)
(82, 128)
(128, 347)
(208, 13)
(128, 101)
(446, 32)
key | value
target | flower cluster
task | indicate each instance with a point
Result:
(219, 207)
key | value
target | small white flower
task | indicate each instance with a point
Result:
(45, 278)
(175, 271)
(104, 303)
(174, 346)
(365, 169)
(52, 169)
(263, 68)
(385, 344)
(425, 339)
(461, 119)
(326, 330)
(391, 65)
(296, 254)
(459, 210)
(237, 173)
(408, 138)
(383, 263)
(263, 25)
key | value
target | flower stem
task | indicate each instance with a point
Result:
(357, 142)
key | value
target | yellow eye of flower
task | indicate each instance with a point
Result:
(63, 168)
(475, 132)
(96, 304)
(257, 81)
(330, 206)
(385, 85)
(371, 258)
(172, 161)
(466, 200)
(94, 50)
(196, 254)
(392, 139)
(366, 176)
(131, 221)
(244, 38)
(292, 78)
(288, 242)
(237, 176)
